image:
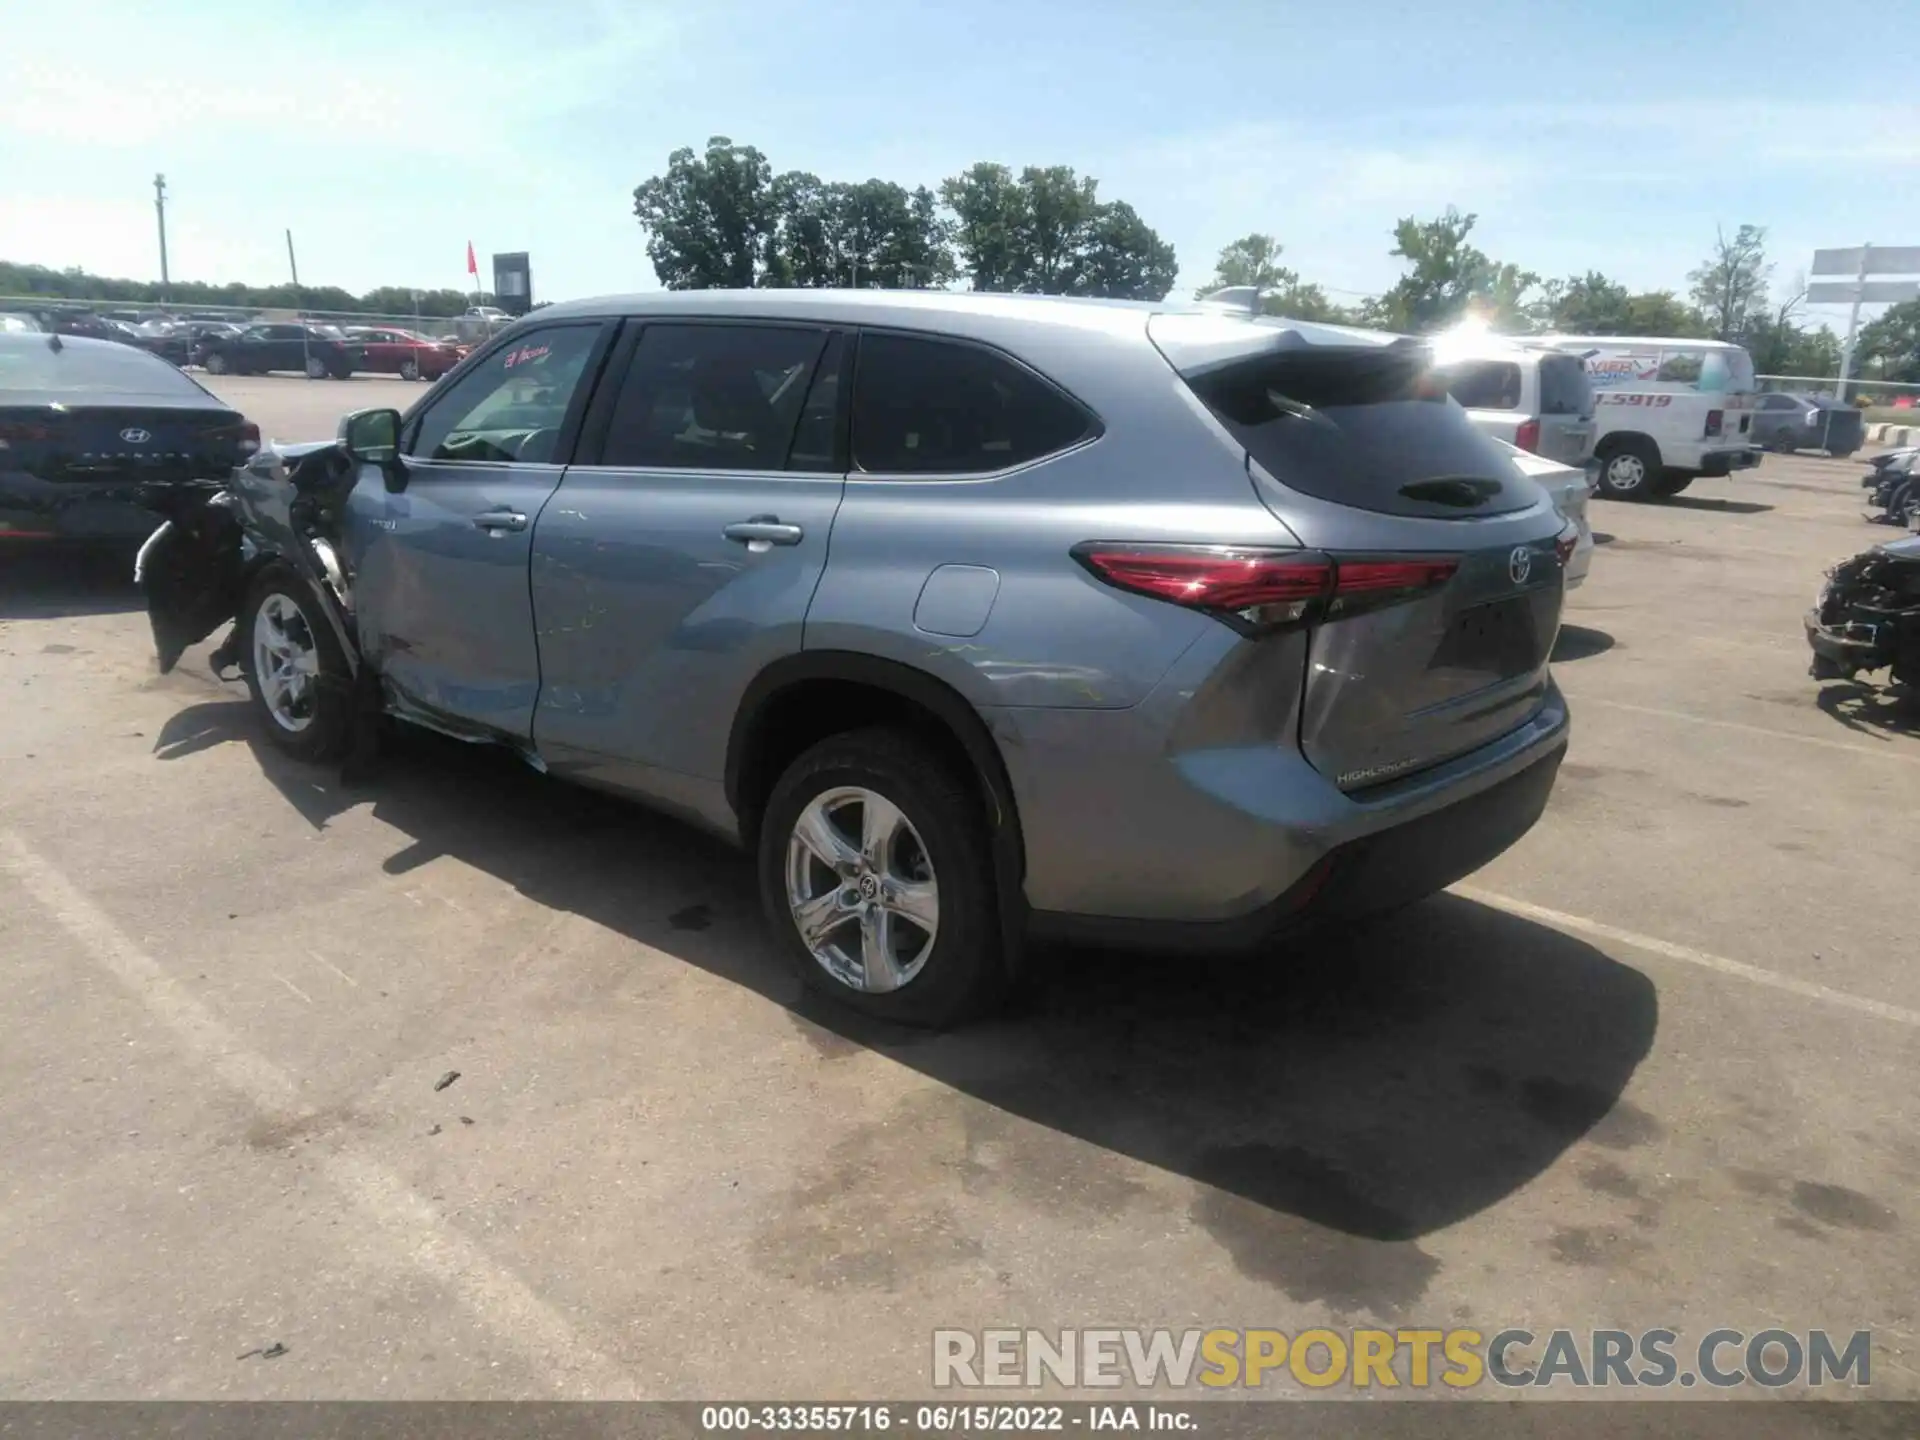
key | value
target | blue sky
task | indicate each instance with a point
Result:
(1607, 136)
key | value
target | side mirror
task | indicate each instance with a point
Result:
(372, 437)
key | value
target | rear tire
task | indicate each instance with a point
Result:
(296, 672)
(216, 363)
(409, 369)
(1782, 444)
(921, 840)
(316, 368)
(1629, 468)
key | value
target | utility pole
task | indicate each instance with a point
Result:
(160, 209)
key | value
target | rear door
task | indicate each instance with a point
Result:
(440, 565)
(1448, 578)
(1566, 409)
(681, 554)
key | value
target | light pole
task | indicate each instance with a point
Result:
(160, 209)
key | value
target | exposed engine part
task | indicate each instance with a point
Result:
(1868, 616)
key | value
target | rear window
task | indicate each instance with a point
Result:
(1564, 389)
(1366, 426)
(1483, 384)
(99, 367)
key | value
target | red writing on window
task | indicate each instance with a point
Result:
(526, 355)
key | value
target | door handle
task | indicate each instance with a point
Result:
(499, 520)
(762, 531)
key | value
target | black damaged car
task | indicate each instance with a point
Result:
(92, 431)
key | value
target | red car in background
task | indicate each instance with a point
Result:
(404, 353)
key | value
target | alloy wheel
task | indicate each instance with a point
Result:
(861, 889)
(286, 663)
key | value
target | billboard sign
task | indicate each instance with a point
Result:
(513, 283)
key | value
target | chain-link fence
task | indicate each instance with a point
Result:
(467, 329)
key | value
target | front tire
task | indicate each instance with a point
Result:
(216, 363)
(1629, 468)
(409, 369)
(295, 669)
(316, 368)
(876, 874)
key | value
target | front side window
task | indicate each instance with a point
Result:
(712, 397)
(1483, 384)
(938, 407)
(512, 406)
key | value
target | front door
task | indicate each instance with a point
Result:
(440, 563)
(683, 549)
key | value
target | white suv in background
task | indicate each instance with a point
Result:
(1531, 396)
(1539, 402)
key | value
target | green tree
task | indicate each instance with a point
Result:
(710, 220)
(1730, 285)
(1447, 279)
(875, 233)
(1591, 304)
(1255, 260)
(990, 224)
(1047, 232)
(1894, 341)
(1122, 258)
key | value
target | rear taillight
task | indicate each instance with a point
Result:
(23, 432)
(244, 437)
(1566, 543)
(1259, 589)
(1527, 437)
(1715, 419)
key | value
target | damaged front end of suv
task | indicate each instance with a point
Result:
(1868, 616)
(275, 523)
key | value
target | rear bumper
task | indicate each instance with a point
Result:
(1725, 462)
(1229, 850)
(37, 510)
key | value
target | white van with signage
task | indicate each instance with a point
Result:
(1666, 410)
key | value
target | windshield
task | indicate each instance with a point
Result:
(30, 363)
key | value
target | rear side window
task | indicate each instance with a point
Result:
(1564, 389)
(1484, 384)
(1367, 426)
(939, 407)
(712, 397)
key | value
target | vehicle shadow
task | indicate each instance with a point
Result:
(1870, 710)
(47, 584)
(1579, 642)
(1601, 537)
(1728, 507)
(1341, 1101)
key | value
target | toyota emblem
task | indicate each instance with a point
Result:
(135, 436)
(1520, 564)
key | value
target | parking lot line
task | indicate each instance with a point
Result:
(1773, 980)
(495, 1295)
(1771, 733)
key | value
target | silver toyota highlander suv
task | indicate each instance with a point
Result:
(974, 617)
